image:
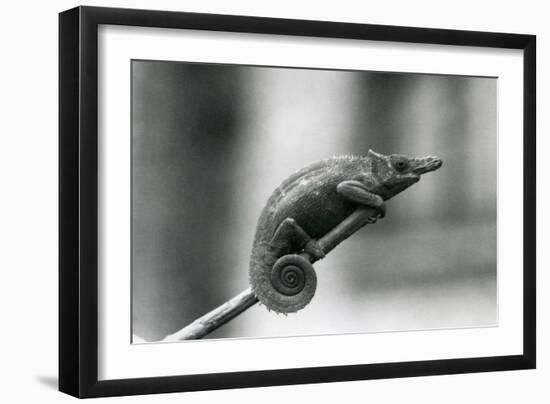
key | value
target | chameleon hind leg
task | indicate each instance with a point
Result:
(290, 283)
(356, 191)
(290, 237)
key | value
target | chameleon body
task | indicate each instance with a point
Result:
(309, 204)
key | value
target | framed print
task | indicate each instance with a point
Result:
(251, 201)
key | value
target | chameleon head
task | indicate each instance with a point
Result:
(396, 172)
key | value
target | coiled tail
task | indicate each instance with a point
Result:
(283, 284)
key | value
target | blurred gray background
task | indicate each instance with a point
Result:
(211, 142)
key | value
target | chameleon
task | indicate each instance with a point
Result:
(307, 205)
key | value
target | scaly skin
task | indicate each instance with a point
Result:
(311, 202)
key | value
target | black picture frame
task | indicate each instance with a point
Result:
(78, 200)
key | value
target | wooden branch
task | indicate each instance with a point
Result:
(214, 319)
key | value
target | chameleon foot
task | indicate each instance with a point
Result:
(313, 248)
(380, 213)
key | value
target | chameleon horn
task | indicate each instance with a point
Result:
(294, 282)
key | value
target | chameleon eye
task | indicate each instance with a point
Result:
(400, 165)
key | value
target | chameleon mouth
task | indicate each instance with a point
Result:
(428, 164)
(395, 187)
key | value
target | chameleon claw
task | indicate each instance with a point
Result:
(313, 248)
(380, 214)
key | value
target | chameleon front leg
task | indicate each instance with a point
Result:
(356, 191)
(291, 237)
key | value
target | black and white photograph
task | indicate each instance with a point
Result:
(272, 201)
(275, 202)
(258, 202)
